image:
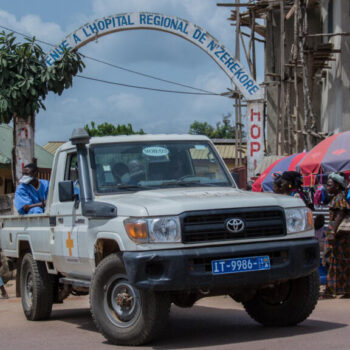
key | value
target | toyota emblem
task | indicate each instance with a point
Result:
(235, 225)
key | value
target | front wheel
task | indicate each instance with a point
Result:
(286, 303)
(124, 314)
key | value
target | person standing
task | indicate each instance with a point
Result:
(337, 244)
(291, 182)
(3, 268)
(31, 193)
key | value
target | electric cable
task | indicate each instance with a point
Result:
(204, 92)
(147, 88)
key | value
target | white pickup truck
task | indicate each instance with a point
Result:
(140, 222)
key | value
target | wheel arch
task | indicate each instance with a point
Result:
(24, 246)
(106, 244)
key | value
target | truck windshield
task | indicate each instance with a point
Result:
(121, 167)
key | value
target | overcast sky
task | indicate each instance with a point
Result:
(161, 54)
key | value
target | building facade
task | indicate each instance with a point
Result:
(307, 73)
(335, 97)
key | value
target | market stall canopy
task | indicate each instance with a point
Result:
(331, 154)
(264, 182)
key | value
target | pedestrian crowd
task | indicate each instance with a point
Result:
(334, 239)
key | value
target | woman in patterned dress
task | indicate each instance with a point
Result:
(337, 244)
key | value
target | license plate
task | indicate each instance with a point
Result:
(252, 263)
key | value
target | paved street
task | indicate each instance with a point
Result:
(213, 323)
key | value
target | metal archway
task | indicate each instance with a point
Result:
(236, 72)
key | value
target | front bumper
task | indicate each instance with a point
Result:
(190, 268)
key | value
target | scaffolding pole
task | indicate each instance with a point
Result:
(295, 123)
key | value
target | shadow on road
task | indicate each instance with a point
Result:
(80, 317)
(202, 326)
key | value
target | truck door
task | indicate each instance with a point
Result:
(70, 254)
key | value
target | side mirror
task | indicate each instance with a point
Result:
(65, 191)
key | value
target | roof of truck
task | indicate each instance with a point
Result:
(141, 138)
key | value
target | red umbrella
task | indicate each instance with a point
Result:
(331, 154)
(265, 181)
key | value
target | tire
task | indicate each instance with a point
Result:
(124, 314)
(36, 289)
(287, 303)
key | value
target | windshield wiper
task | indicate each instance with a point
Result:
(133, 187)
(216, 184)
(180, 183)
(196, 183)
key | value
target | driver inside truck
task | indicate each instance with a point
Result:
(121, 173)
(137, 172)
(31, 193)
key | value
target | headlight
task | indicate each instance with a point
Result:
(165, 229)
(156, 230)
(299, 220)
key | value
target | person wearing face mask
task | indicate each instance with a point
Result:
(31, 193)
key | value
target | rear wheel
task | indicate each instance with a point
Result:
(285, 304)
(36, 289)
(124, 314)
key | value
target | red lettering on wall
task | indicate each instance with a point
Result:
(254, 114)
(254, 147)
(255, 131)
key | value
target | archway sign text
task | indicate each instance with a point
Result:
(237, 73)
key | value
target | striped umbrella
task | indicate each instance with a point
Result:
(264, 182)
(331, 154)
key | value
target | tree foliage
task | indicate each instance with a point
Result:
(222, 130)
(107, 129)
(25, 80)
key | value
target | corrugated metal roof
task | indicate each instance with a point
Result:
(6, 143)
(226, 152)
(229, 151)
(52, 146)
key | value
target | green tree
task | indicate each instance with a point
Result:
(201, 128)
(223, 129)
(107, 129)
(25, 81)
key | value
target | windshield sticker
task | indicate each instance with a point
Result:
(202, 147)
(155, 151)
(107, 168)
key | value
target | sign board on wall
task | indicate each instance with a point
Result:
(239, 75)
(255, 136)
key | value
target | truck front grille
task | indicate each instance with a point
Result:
(210, 225)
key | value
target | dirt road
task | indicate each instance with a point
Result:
(213, 323)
